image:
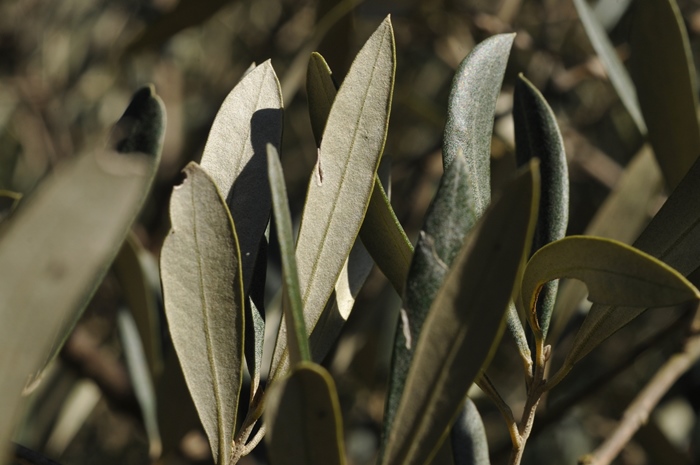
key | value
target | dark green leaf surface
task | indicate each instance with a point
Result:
(465, 323)
(448, 220)
(468, 436)
(537, 136)
(341, 184)
(291, 296)
(203, 294)
(236, 159)
(662, 68)
(54, 251)
(471, 108)
(617, 73)
(303, 419)
(381, 232)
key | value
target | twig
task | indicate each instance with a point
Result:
(490, 390)
(639, 410)
(24, 456)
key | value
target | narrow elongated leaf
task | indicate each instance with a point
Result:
(203, 294)
(53, 252)
(471, 107)
(141, 379)
(303, 419)
(341, 184)
(468, 437)
(673, 235)
(291, 298)
(537, 136)
(615, 274)
(617, 73)
(662, 68)
(381, 232)
(140, 297)
(464, 323)
(236, 159)
(140, 129)
(448, 220)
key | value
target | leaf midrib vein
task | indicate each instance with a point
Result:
(207, 335)
(324, 237)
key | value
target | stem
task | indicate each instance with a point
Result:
(490, 390)
(240, 445)
(639, 410)
(533, 399)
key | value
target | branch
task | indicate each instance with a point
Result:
(24, 456)
(639, 410)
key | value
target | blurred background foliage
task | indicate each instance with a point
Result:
(68, 69)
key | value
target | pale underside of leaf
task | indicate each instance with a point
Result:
(203, 294)
(53, 253)
(464, 324)
(236, 159)
(341, 184)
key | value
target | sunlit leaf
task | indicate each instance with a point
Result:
(341, 184)
(622, 216)
(465, 323)
(381, 232)
(537, 136)
(662, 68)
(471, 109)
(54, 251)
(291, 297)
(203, 295)
(615, 274)
(303, 419)
(673, 235)
(617, 73)
(236, 159)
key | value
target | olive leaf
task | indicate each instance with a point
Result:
(341, 184)
(54, 251)
(303, 419)
(615, 274)
(470, 112)
(381, 233)
(537, 136)
(465, 322)
(291, 296)
(673, 235)
(468, 437)
(619, 77)
(204, 303)
(236, 159)
(662, 68)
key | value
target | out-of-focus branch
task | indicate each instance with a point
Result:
(23, 456)
(83, 353)
(639, 410)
